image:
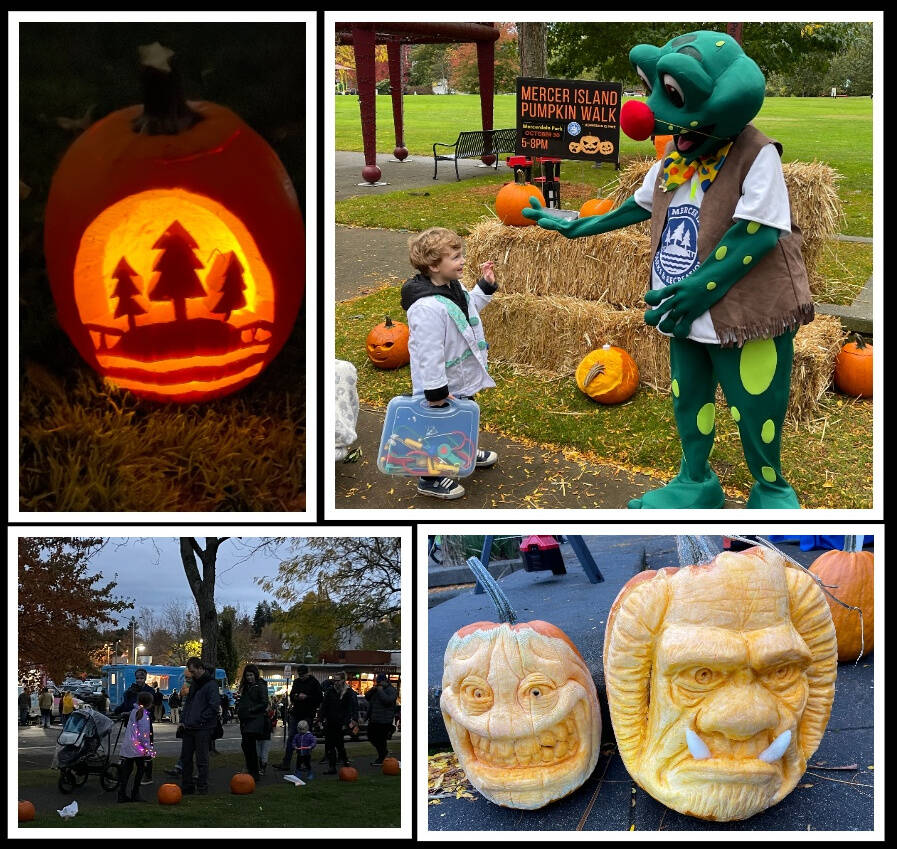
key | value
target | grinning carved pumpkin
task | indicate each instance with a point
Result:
(169, 794)
(387, 344)
(521, 709)
(512, 199)
(347, 773)
(848, 576)
(242, 784)
(26, 811)
(720, 680)
(174, 245)
(853, 368)
(390, 766)
(596, 206)
(608, 375)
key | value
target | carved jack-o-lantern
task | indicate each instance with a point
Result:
(174, 245)
(720, 681)
(521, 710)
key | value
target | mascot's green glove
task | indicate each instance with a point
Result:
(740, 249)
(628, 212)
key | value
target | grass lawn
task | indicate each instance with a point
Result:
(373, 801)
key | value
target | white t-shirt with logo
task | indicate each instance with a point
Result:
(764, 199)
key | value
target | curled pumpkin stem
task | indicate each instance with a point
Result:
(695, 549)
(506, 613)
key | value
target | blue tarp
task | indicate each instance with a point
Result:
(810, 543)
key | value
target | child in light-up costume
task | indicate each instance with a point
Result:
(728, 283)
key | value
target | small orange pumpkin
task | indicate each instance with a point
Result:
(26, 811)
(387, 344)
(596, 206)
(348, 773)
(390, 766)
(169, 794)
(660, 144)
(848, 576)
(608, 375)
(853, 368)
(512, 199)
(242, 784)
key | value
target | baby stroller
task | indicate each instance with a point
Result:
(84, 747)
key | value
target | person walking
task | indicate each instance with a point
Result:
(136, 748)
(253, 713)
(158, 705)
(199, 716)
(67, 706)
(303, 743)
(305, 699)
(129, 702)
(225, 708)
(45, 703)
(382, 698)
(339, 710)
(24, 706)
(174, 706)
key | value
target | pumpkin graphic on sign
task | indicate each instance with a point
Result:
(174, 245)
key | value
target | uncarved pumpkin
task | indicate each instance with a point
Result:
(512, 199)
(174, 246)
(347, 773)
(853, 369)
(169, 794)
(608, 375)
(26, 811)
(390, 766)
(387, 344)
(720, 681)
(242, 784)
(848, 576)
(596, 206)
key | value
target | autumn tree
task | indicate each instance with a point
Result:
(60, 604)
(203, 589)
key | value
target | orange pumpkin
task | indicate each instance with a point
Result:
(242, 784)
(390, 766)
(848, 576)
(608, 375)
(387, 344)
(596, 206)
(348, 773)
(26, 811)
(512, 199)
(853, 368)
(174, 246)
(169, 794)
(660, 144)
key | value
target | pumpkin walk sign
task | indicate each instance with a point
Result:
(569, 119)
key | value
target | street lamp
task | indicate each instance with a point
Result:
(141, 647)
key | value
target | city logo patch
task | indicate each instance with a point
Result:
(677, 255)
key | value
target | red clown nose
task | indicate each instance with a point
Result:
(636, 120)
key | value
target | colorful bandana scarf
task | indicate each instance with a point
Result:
(676, 172)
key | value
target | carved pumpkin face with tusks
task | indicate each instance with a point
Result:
(720, 681)
(521, 711)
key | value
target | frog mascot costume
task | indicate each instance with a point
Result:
(728, 283)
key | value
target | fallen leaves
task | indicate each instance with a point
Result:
(446, 779)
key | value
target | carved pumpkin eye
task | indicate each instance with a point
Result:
(699, 679)
(476, 694)
(536, 692)
(783, 675)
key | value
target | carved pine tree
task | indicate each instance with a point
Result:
(126, 292)
(176, 279)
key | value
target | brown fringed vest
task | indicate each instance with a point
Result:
(772, 297)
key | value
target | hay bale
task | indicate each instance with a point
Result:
(552, 335)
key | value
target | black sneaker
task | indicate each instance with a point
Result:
(485, 459)
(445, 488)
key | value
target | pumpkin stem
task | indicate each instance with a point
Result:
(506, 613)
(165, 109)
(860, 342)
(388, 322)
(694, 550)
(853, 543)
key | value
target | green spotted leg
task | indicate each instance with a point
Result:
(693, 385)
(756, 381)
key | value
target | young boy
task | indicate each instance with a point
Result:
(303, 743)
(447, 346)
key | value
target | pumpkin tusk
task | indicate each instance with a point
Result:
(777, 748)
(696, 745)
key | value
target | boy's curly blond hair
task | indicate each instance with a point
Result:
(427, 248)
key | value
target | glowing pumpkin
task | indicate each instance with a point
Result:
(347, 773)
(390, 766)
(242, 784)
(596, 206)
(512, 199)
(720, 681)
(521, 709)
(169, 794)
(853, 368)
(174, 245)
(608, 375)
(387, 344)
(848, 576)
(26, 811)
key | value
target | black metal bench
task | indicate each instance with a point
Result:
(475, 144)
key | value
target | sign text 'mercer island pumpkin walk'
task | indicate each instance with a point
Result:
(568, 119)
